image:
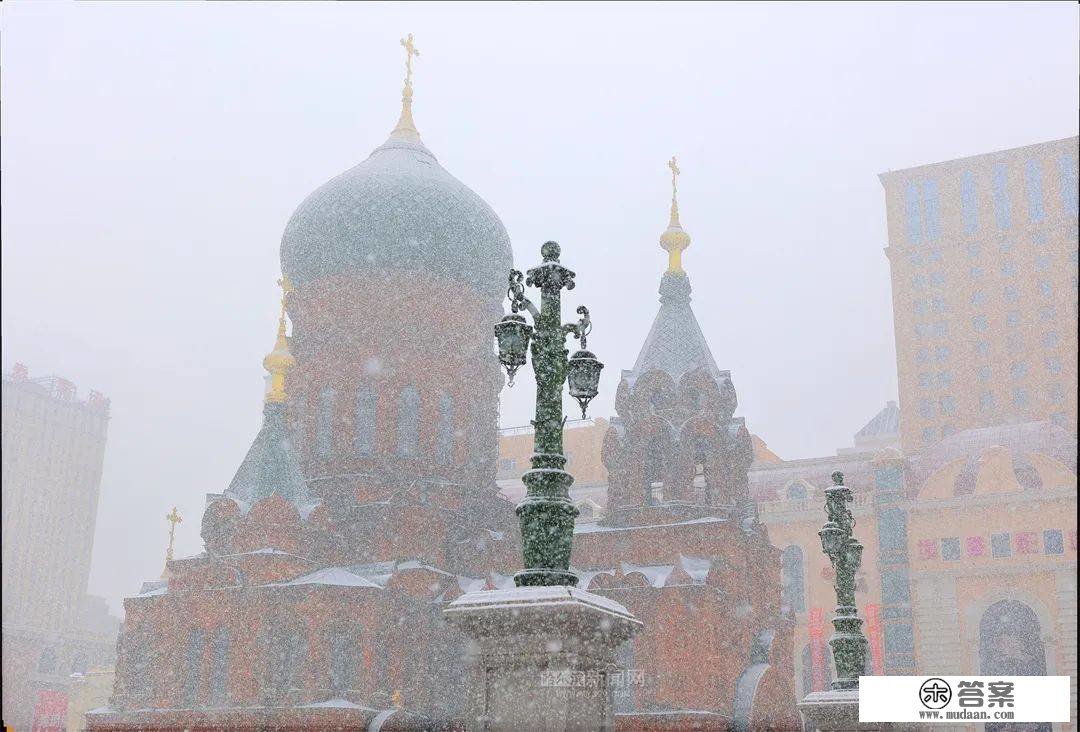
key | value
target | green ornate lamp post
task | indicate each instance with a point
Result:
(546, 513)
(848, 643)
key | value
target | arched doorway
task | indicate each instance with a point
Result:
(1010, 644)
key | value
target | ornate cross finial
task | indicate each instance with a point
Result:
(406, 128)
(410, 51)
(674, 165)
(174, 518)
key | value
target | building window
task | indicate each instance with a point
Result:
(364, 420)
(1015, 343)
(1042, 263)
(948, 404)
(1018, 369)
(930, 209)
(1053, 542)
(937, 279)
(1053, 365)
(922, 330)
(1059, 419)
(343, 658)
(984, 373)
(1068, 184)
(1051, 340)
(974, 250)
(324, 423)
(926, 380)
(1000, 546)
(941, 353)
(408, 422)
(926, 408)
(792, 579)
(918, 282)
(1002, 211)
(941, 329)
(1027, 542)
(219, 667)
(980, 323)
(1011, 294)
(944, 379)
(193, 666)
(969, 202)
(1045, 289)
(1012, 318)
(986, 401)
(1055, 394)
(929, 435)
(1033, 182)
(1047, 313)
(982, 348)
(937, 304)
(922, 355)
(976, 272)
(796, 491)
(914, 217)
(444, 445)
(1020, 397)
(915, 258)
(978, 298)
(920, 307)
(950, 549)
(1008, 269)
(934, 255)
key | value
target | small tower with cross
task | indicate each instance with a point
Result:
(406, 128)
(174, 518)
(674, 240)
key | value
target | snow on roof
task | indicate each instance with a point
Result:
(337, 704)
(339, 576)
(885, 422)
(656, 574)
(592, 528)
(697, 568)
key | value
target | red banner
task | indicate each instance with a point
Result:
(50, 712)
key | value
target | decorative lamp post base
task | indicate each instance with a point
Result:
(837, 710)
(541, 657)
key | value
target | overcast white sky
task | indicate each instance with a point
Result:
(152, 154)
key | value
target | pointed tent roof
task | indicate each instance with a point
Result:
(675, 343)
(270, 465)
(885, 422)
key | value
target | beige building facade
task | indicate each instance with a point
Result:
(983, 255)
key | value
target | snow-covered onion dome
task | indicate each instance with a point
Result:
(398, 210)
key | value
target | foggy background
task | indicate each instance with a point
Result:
(153, 153)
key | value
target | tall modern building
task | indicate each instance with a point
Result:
(53, 447)
(983, 252)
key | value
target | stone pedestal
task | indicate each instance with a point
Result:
(541, 657)
(837, 710)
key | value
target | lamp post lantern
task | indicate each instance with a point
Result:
(546, 513)
(848, 643)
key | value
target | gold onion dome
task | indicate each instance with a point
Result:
(280, 360)
(674, 240)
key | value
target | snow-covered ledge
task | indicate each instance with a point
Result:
(541, 657)
(837, 710)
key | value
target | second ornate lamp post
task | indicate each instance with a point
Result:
(546, 513)
(845, 552)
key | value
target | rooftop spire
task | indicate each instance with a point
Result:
(279, 361)
(173, 518)
(674, 240)
(406, 128)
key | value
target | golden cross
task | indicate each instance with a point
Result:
(174, 519)
(674, 172)
(286, 288)
(410, 51)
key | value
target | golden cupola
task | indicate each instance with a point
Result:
(280, 360)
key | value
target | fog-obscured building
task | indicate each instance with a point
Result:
(53, 448)
(983, 254)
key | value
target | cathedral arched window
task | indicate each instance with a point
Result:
(324, 423)
(444, 441)
(364, 419)
(285, 646)
(299, 425)
(193, 666)
(793, 579)
(219, 667)
(408, 422)
(796, 491)
(344, 658)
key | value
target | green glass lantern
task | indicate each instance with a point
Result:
(832, 539)
(513, 334)
(583, 376)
